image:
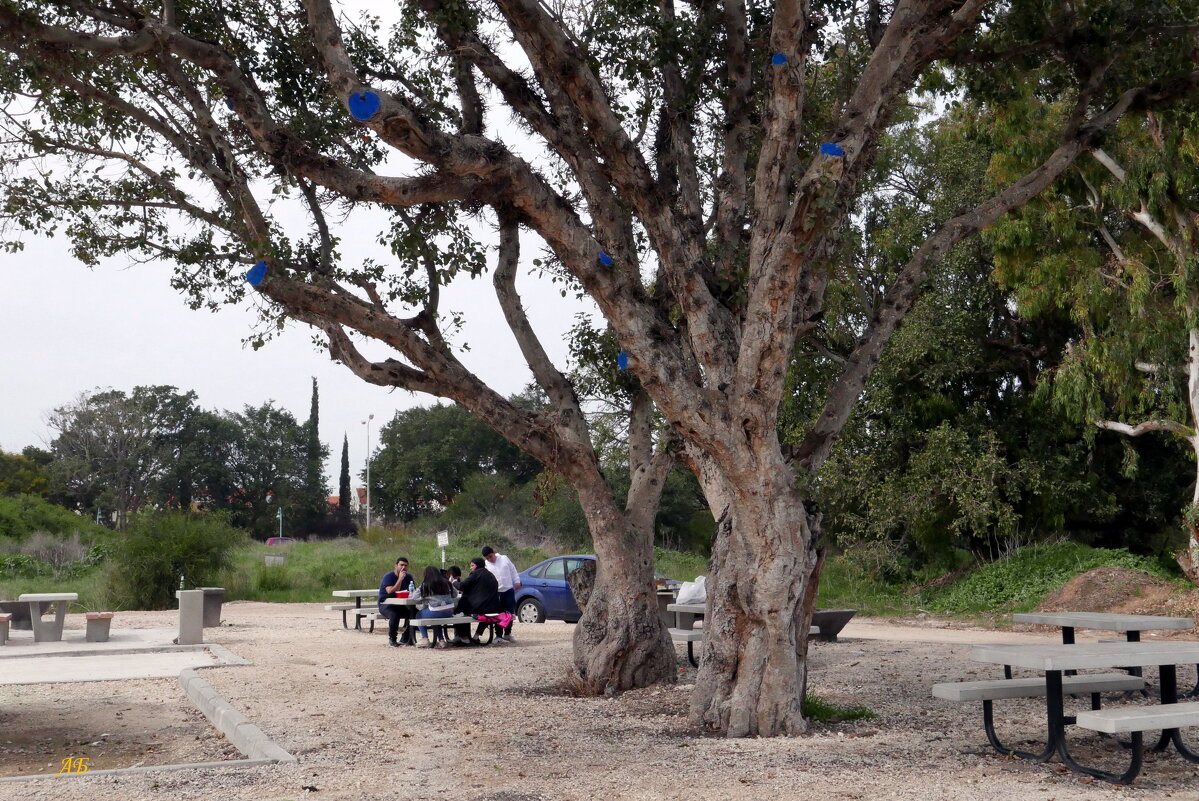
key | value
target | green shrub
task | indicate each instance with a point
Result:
(21, 515)
(19, 565)
(272, 578)
(817, 710)
(1019, 582)
(160, 550)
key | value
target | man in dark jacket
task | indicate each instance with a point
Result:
(480, 595)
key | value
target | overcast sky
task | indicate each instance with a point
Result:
(67, 329)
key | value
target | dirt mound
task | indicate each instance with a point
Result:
(1122, 590)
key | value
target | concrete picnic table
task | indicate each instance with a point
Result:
(1131, 625)
(48, 631)
(1055, 660)
(357, 595)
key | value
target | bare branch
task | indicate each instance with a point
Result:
(1144, 428)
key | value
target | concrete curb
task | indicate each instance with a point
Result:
(231, 763)
(245, 736)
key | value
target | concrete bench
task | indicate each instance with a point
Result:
(98, 624)
(827, 623)
(343, 608)
(689, 636)
(5, 617)
(1136, 720)
(1034, 687)
(1125, 719)
(365, 614)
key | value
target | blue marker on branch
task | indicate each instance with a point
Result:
(256, 274)
(364, 105)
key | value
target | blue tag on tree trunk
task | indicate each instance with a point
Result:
(778, 59)
(832, 149)
(622, 360)
(364, 105)
(256, 274)
(605, 259)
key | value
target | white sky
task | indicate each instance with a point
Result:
(66, 329)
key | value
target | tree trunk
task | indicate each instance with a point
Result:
(760, 596)
(620, 643)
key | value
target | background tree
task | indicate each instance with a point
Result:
(111, 450)
(426, 453)
(22, 475)
(268, 464)
(312, 503)
(345, 523)
(1114, 246)
(691, 168)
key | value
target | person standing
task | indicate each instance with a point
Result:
(397, 580)
(508, 580)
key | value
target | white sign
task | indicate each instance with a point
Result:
(443, 539)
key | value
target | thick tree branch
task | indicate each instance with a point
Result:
(1144, 428)
(549, 378)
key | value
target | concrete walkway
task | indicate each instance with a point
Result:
(128, 654)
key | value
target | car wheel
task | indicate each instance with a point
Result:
(530, 610)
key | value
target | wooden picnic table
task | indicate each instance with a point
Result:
(43, 630)
(1055, 660)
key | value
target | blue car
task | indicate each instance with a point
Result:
(544, 593)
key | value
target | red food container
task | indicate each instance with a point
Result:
(402, 594)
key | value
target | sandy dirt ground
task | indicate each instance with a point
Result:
(370, 722)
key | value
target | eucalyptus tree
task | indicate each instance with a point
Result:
(1122, 229)
(688, 166)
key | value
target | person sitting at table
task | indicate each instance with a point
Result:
(453, 574)
(397, 580)
(480, 594)
(439, 602)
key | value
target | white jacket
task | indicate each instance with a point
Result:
(504, 572)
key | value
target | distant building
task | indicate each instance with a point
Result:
(357, 500)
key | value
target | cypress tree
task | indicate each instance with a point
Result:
(315, 493)
(344, 525)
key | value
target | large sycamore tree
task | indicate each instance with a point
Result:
(690, 166)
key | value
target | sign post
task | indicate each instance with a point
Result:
(443, 540)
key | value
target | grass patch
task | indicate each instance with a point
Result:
(845, 583)
(679, 565)
(1021, 581)
(818, 710)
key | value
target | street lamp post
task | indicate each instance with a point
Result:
(279, 514)
(367, 423)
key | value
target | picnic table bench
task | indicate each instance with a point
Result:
(48, 630)
(1054, 660)
(440, 622)
(684, 629)
(360, 613)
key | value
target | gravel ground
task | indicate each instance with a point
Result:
(367, 721)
